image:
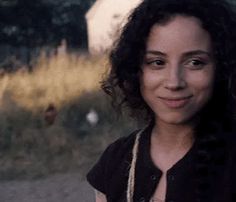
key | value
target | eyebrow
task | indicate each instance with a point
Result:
(187, 54)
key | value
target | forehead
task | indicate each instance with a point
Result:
(180, 31)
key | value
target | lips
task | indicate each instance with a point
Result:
(175, 102)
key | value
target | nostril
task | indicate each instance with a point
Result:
(175, 84)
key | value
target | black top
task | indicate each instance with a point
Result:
(110, 174)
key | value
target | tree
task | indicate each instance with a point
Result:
(39, 22)
(25, 23)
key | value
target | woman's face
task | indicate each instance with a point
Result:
(177, 74)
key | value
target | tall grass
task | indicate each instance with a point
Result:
(29, 147)
(58, 79)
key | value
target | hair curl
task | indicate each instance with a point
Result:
(218, 17)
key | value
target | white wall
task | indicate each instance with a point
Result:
(104, 21)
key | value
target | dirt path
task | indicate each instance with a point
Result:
(57, 188)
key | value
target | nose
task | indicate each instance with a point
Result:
(175, 79)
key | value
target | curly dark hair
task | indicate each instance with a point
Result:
(218, 17)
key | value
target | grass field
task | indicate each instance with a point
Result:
(30, 146)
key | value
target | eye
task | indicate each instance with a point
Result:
(156, 63)
(195, 64)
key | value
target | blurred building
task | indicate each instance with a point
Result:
(104, 20)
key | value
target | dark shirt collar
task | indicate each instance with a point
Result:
(148, 173)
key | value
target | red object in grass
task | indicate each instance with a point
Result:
(50, 114)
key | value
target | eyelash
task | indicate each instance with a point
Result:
(156, 63)
(196, 64)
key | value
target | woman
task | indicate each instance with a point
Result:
(174, 66)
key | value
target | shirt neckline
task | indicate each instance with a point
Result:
(145, 148)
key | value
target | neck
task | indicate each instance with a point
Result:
(173, 136)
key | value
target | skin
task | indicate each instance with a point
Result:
(177, 74)
(100, 197)
(176, 81)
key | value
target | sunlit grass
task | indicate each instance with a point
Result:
(58, 79)
(71, 82)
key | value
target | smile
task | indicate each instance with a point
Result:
(175, 103)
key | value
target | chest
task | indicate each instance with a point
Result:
(180, 185)
(164, 161)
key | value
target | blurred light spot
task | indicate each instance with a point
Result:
(92, 117)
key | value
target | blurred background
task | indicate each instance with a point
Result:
(54, 119)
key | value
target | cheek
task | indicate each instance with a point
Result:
(203, 84)
(149, 80)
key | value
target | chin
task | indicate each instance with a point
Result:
(176, 119)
